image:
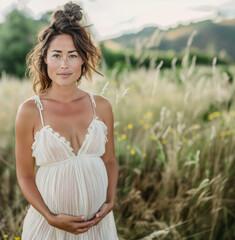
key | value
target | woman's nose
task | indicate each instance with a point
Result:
(64, 62)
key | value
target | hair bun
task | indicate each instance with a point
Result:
(71, 11)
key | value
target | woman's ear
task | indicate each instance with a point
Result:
(45, 60)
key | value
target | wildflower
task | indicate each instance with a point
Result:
(216, 114)
(144, 155)
(164, 141)
(184, 139)
(128, 147)
(141, 121)
(116, 132)
(171, 130)
(129, 126)
(17, 238)
(119, 139)
(132, 151)
(228, 132)
(123, 136)
(124, 128)
(153, 137)
(5, 236)
(209, 117)
(222, 134)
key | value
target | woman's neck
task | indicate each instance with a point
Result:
(64, 94)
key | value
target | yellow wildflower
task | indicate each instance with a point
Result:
(184, 139)
(153, 137)
(164, 141)
(129, 126)
(141, 121)
(128, 147)
(116, 132)
(216, 114)
(132, 151)
(171, 130)
(17, 238)
(228, 132)
(222, 134)
(144, 155)
(209, 117)
(123, 136)
(5, 236)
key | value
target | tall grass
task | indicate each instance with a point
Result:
(174, 139)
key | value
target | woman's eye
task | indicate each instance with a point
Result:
(56, 55)
(73, 56)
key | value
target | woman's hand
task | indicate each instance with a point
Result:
(72, 224)
(103, 211)
(77, 225)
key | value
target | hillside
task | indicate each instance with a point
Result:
(212, 37)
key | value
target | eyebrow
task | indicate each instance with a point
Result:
(61, 51)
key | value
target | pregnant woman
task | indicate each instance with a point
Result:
(68, 133)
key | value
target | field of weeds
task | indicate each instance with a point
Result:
(175, 146)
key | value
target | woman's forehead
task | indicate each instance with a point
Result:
(62, 42)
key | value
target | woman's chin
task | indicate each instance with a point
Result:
(65, 83)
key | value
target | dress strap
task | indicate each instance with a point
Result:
(40, 107)
(93, 103)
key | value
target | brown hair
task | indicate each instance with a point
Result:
(66, 21)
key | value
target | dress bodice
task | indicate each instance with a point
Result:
(50, 148)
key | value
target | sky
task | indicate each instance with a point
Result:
(111, 18)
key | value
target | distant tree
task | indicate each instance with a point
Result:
(45, 19)
(17, 36)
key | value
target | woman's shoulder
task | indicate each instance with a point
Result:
(28, 104)
(101, 101)
(27, 110)
(104, 107)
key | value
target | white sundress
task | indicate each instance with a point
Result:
(70, 183)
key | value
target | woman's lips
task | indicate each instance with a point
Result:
(64, 75)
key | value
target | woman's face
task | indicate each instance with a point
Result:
(63, 61)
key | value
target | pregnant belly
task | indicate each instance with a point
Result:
(77, 187)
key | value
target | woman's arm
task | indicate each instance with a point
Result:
(24, 127)
(25, 163)
(105, 109)
(109, 156)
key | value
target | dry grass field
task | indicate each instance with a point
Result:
(175, 146)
